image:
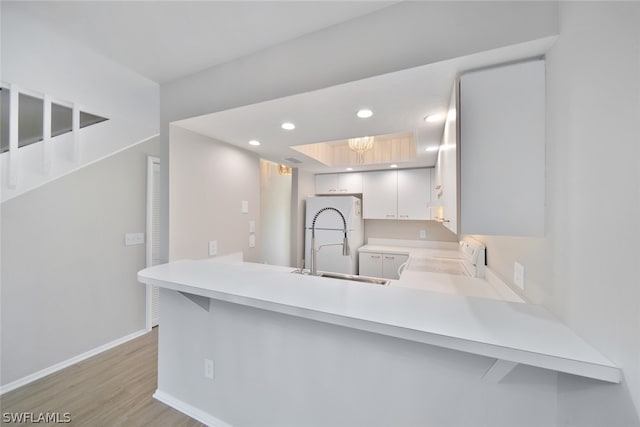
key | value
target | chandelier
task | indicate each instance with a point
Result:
(360, 146)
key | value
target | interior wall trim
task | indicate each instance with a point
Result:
(189, 410)
(66, 363)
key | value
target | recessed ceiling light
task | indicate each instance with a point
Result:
(393, 166)
(364, 113)
(434, 118)
(349, 169)
(433, 148)
(288, 126)
(254, 142)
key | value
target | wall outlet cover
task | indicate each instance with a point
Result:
(423, 234)
(245, 206)
(213, 247)
(518, 274)
(252, 240)
(134, 239)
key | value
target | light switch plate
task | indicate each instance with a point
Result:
(213, 247)
(518, 274)
(252, 240)
(252, 226)
(134, 239)
(245, 207)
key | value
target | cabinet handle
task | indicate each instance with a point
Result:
(333, 189)
(375, 256)
(390, 216)
(343, 189)
(389, 257)
(404, 216)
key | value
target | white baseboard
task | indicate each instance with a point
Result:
(187, 409)
(66, 363)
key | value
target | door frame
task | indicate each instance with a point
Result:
(151, 161)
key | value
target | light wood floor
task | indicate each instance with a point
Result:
(113, 388)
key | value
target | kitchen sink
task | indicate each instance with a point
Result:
(353, 278)
(361, 279)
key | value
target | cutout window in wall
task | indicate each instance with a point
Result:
(30, 119)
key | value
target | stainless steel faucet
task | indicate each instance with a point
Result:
(345, 242)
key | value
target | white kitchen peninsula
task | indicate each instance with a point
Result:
(289, 349)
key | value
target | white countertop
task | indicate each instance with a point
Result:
(439, 282)
(515, 332)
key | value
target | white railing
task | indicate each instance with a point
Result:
(61, 144)
(14, 137)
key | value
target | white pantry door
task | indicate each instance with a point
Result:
(153, 237)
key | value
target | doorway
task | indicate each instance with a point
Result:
(153, 238)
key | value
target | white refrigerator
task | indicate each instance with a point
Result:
(328, 213)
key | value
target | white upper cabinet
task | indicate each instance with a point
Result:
(339, 183)
(502, 150)
(414, 193)
(396, 194)
(327, 184)
(350, 183)
(380, 195)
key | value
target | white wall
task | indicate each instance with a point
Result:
(592, 69)
(586, 268)
(68, 281)
(413, 35)
(275, 370)
(275, 214)
(35, 57)
(38, 58)
(209, 181)
(407, 230)
(593, 76)
(304, 185)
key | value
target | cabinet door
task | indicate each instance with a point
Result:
(350, 183)
(327, 184)
(391, 263)
(380, 195)
(370, 264)
(414, 192)
(502, 143)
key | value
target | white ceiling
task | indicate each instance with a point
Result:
(166, 40)
(399, 101)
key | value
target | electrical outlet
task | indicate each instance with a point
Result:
(518, 274)
(252, 240)
(213, 247)
(208, 369)
(423, 234)
(134, 239)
